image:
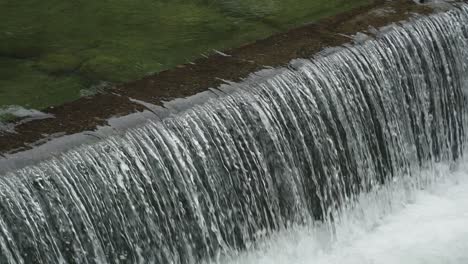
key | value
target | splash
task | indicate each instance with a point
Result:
(420, 225)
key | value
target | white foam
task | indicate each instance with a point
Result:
(19, 111)
(420, 225)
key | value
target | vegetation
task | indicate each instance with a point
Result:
(52, 50)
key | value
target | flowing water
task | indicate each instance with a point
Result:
(285, 151)
(413, 226)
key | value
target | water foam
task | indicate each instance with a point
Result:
(424, 224)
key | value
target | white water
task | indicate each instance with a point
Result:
(424, 226)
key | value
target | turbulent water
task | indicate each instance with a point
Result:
(283, 151)
(405, 226)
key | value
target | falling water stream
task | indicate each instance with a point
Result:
(286, 151)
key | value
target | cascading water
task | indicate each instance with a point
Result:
(287, 150)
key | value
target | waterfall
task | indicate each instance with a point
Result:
(283, 150)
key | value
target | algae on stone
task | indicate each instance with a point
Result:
(58, 63)
(60, 47)
(21, 83)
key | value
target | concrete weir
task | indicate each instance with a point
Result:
(204, 74)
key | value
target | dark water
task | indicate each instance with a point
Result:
(284, 150)
(54, 51)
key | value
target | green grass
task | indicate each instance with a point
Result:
(52, 49)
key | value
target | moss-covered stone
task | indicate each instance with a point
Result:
(21, 83)
(86, 41)
(105, 68)
(20, 45)
(251, 8)
(58, 63)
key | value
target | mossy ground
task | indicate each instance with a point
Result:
(51, 50)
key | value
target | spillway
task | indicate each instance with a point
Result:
(290, 149)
